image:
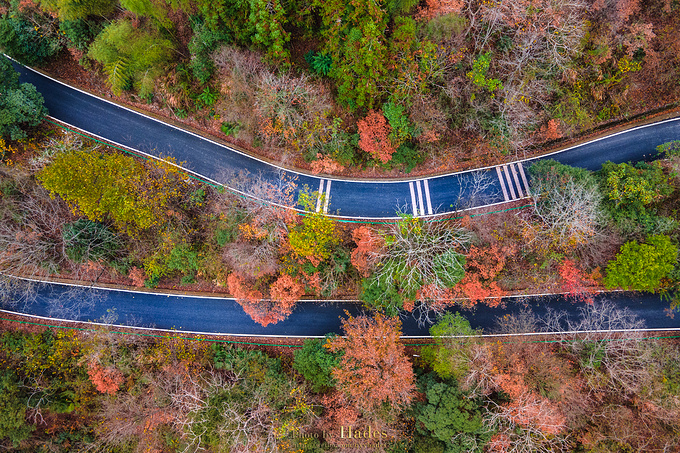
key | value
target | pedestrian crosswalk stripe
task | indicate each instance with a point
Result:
(327, 198)
(420, 198)
(511, 186)
(413, 199)
(514, 176)
(318, 199)
(500, 178)
(417, 188)
(524, 178)
(323, 197)
(427, 196)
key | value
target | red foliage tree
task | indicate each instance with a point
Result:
(285, 292)
(337, 412)
(483, 264)
(529, 409)
(526, 409)
(240, 290)
(137, 275)
(374, 136)
(436, 297)
(575, 284)
(326, 165)
(105, 380)
(368, 242)
(374, 368)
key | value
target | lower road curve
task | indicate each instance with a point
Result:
(216, 315)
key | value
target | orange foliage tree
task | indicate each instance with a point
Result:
(368, 243)
(326, 165)
(374, 368)
(105, 380)
(482, 266)
(374, 136)
(285, 292)
(436, 8)
(577, 285)
(529, 421)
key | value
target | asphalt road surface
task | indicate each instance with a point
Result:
(346, 198)
(221, 315)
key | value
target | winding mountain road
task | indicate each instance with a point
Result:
(358, 199)
(379, 199)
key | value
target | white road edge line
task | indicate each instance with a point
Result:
(299, 336)
(413, 199)
(135, 291)
(427, 196)
(217, 183)
(500, 178)
(318, 199)
(327, 198)
(184, 169)
(217, 334)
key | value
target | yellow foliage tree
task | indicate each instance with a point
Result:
(114, 185)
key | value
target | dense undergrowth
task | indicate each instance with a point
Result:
(96, 390)
(342, 86)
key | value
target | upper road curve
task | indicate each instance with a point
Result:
(358, 199)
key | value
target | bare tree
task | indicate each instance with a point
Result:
(480, 379)
(570, 211)
(286, 105)
(73, 302)
(522, 427)
(269, 206)
(31, 243)
(607, 342)
(539, 39)
(524, 321)
(547, 33)
(69, 141)
(422, 259)
(418, 251)
(244, 424)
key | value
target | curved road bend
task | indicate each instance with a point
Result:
(219, 315)
(347, 198)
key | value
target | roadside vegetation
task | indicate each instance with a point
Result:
(65, 390)
(341, 87)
